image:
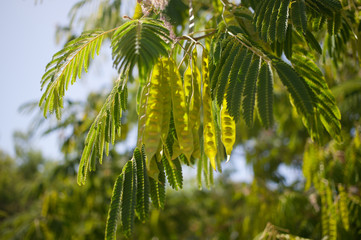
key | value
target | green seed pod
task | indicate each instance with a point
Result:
(180, 111)
(153, 112)
(228, 129)
(209, 134)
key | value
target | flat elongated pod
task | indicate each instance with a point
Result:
(166, 101)
(142, 115)
(117, 111)
(153, 112)
(209, 134)
(188, 85)
(228, 129)
(195, 105)
(180, 111)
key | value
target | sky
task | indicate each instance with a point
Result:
(27, 44)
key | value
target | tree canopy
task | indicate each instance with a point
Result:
(280, 78)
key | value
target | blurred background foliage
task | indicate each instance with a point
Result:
(39, 197)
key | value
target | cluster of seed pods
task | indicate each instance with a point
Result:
(166, 94)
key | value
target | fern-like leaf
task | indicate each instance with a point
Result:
(157, 188)
(102, 132)
(322, 97)
(235, 104)
(332, 222)
(142, 207)
(169, 172)
(267, 17)
(296, 86)
(128, 201)
(225, 70)
(287, 48)
(66, 66)
(215, 76)
(173, 170)
(298, 15)
(343, 207)
(281, 23)
(250, 90)
(237, 63)
(334, 5)
(312, 42)
(178, 172)
(260, 14)
(139, 42)
(265, 95)
(271, 34)
(114, 209)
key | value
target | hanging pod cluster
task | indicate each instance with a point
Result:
(163, 125)
(170, 114)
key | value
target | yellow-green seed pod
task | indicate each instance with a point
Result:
(195, 105)
(228, 129)
(209, 134)
(176, 150)
(154, 112)
(138, 12)
(166, 101)
(180, 111)
(142, 116)
(188, 86)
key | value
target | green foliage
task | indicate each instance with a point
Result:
(243, 67)
(114, 209)
(173, 171)
(103, 130)
(139, 42)
(142, 207)
(250, 90)
(66, 66)
(128, 198)
(265, 95)
(157, 188)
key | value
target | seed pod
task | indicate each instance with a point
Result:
(228, 129)
(209, 135)
(153, 112)
(180, 111)
(195, 106)
(188, 85)
(142, 115)
(166, 101)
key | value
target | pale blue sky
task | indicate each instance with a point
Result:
(27, 44)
